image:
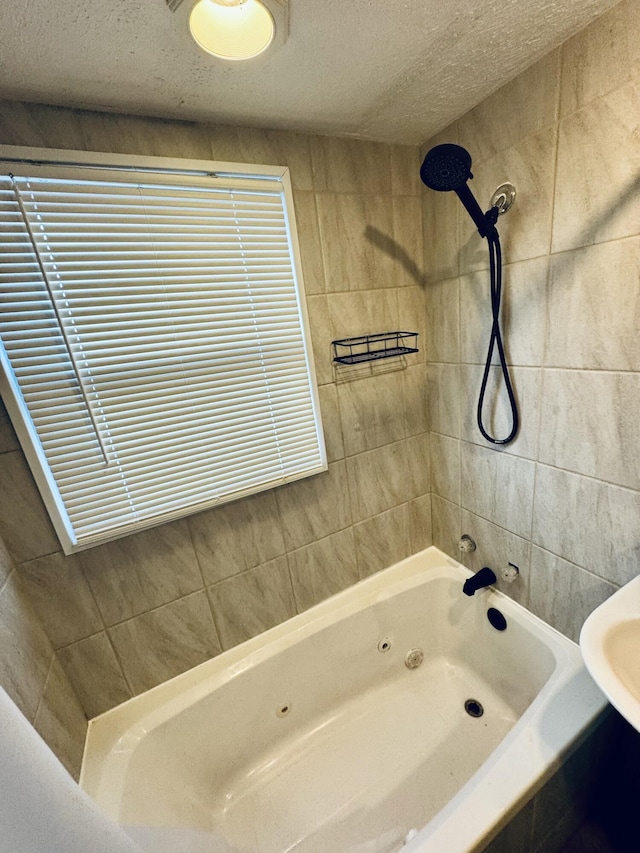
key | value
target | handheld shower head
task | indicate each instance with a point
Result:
(448, 168)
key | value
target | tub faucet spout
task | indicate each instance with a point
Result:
(485, 577)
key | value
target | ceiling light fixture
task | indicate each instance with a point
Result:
(232, 29)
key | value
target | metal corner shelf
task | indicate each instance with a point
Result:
(374, 347)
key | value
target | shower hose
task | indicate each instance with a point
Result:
(495, 266)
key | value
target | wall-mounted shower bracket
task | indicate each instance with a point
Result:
(503, 197)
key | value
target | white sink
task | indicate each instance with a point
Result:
(610, 646)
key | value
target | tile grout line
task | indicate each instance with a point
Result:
(288, 551)
(560, 65)
(105, 630)
(3, 585)
(204, 585)
(44, 689)
(119, 662)
(577, 566)
(548, 367)
(532, 544)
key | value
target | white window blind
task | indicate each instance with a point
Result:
(154, 342)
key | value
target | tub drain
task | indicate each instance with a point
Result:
(473, 708)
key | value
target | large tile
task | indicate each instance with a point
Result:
(420, 526)
(594, 307)
(358, 248)
(60, 127)
(589, 424)
(418, 465)
(414, 390)
(443, 320)
(633, 45)
(383, 540)
(446, 521)
(237, 536)
(252, 602)
(440, 211)
(347, 373)
(405, 170)
(61, 721)
(525, 105)
(20, 124)
(309, 239)
(378, 480)
(323, 568)
(364, 313)
(498, 487)
(132, 575)
(331, 422)
(321, 336)
(24, 523)
(25, 651)
(444, 398)
(371, 411)
(497, 415)
(562, 593)
(496, 548)
(447, 134)
(129, 134)
(408, 239)
(590, 523)
(315, 507)
(350, 165)
(412, 317)
(598, 59)
(440, 215)
(266, 148)
(61, 597)
(525, 230)
(95, 674)
(8, 438)
(598, 171)
(445, 467)
(165, 642)
(522, 314)
(6, 564)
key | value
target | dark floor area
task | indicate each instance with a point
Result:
(612, 824)
(591, 837)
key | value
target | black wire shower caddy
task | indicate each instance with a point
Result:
(373, 347)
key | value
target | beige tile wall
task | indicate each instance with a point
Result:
(562, 501)
(125, 616)
(31, 674)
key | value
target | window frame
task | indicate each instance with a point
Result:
(231, 175)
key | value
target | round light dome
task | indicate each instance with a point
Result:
(232, 29)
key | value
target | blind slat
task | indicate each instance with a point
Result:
(180, 302)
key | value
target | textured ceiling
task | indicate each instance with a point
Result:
(397, 71)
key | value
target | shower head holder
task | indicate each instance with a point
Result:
(503, 197)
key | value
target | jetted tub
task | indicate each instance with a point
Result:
(316, 736)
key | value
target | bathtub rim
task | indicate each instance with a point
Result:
(536, 742)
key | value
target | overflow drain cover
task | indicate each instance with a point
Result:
(496, 619)
(473, 708)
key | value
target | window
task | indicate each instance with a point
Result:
(155, 345)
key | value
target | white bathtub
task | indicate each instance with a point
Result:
(315, 736)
